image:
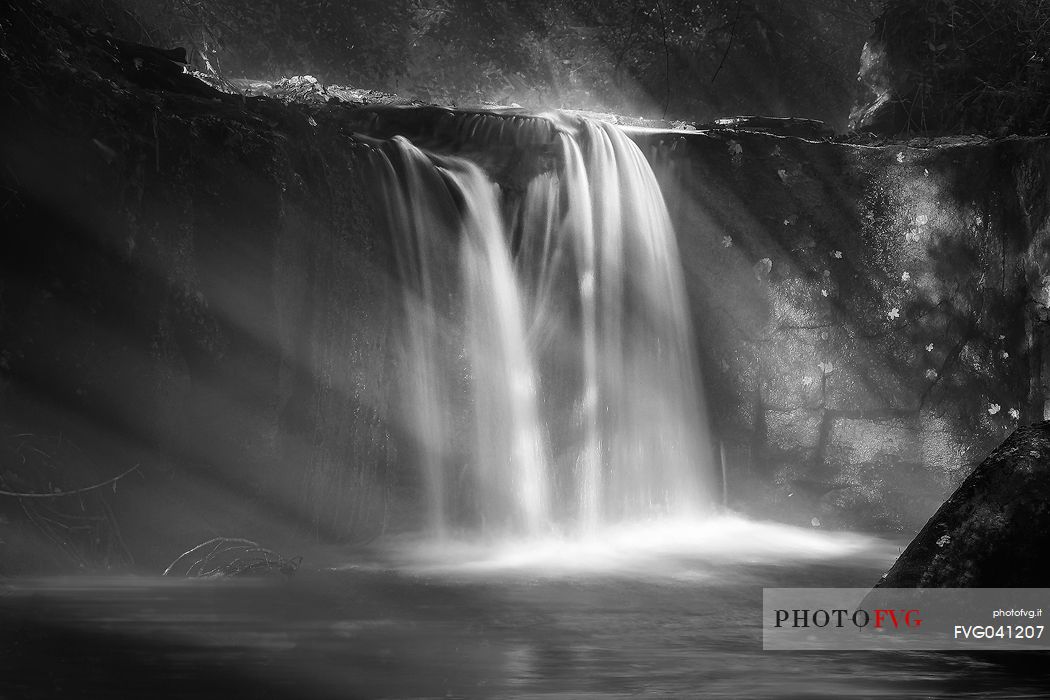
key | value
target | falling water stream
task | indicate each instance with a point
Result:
(549, 388)
(556, 320)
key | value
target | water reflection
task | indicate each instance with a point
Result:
(385, 632)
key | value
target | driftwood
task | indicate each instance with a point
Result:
(231, 556)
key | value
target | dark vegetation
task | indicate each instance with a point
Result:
(964, 66)
(949, 66)
(685, 59)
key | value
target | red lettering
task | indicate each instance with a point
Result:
(880, 615)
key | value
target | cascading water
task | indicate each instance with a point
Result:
(550, 379)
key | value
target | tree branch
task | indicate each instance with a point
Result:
(732, 35)
(60, 494)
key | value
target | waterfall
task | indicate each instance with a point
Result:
(550, 380)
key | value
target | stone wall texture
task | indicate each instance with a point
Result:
(872, 318)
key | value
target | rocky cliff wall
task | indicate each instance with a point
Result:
(199, 283)
(873, 318)
(192, 283)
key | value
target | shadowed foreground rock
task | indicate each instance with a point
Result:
(994, 531)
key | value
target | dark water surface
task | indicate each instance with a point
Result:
(672, 626)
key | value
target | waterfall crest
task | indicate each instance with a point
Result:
(549, 376)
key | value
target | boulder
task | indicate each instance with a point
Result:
(994, 531)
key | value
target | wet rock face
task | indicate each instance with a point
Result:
(193, 284)
(871, 319)
(994, 531)
(878, 108)
(208, 276)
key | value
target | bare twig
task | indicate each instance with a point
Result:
(729, 45)
(60, 494)
(667, 59)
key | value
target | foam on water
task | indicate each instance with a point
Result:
(677, 548)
